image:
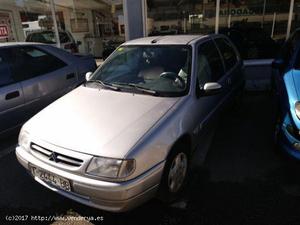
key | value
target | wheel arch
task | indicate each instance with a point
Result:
(184, 141)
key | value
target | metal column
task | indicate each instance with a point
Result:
(264, 12)
(217, 16)
(135, 18)
(290, 19)
(273, 24)
(55, 23)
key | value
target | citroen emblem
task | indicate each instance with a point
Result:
(53, 157)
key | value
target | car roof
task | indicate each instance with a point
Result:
(167, 40)
(47, 31)
(11, 44)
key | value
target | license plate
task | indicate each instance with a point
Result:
(51, 178)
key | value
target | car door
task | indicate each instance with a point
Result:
(11, 94)
(209, 68)
(43, 76)
(233, 77)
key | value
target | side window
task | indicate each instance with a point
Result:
(5, 68)
(209, 63)
(228, 53)
(29, 62)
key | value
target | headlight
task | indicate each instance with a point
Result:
(24, 139)
(297, 109)
(110, 168)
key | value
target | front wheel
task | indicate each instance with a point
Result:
(174, 177)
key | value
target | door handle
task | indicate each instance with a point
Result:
(70, 76)
(11, 95)
(229, 81)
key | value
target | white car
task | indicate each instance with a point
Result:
(67, 41)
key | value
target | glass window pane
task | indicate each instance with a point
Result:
(228, 53)
(159, 68)
(95, 28)
(30, 62)
(256, 27)
(180, 17)
(209, 65)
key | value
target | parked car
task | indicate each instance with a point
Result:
(67, 41)
(252, 42)
(295, 36)
(34, 75)
(286, 90)
(134, 129)
(109, 46)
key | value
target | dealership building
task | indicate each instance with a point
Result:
(93, 23)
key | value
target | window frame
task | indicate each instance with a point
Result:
(198, 46)
(222, 57)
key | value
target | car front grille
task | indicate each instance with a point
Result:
(46, 154)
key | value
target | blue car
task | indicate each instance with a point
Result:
(33, 75)
(286, 89)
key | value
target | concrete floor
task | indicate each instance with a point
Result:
(243, 181)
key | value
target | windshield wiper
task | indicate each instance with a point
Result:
(139, 88)
(104, 84)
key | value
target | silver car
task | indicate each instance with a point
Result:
(34, 75)
(133, 130)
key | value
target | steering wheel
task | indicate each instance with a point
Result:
(174, 77)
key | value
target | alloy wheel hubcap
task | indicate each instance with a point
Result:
(177, 172)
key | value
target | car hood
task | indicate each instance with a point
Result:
(98, 122)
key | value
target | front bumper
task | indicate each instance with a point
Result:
(110, 196)
(286, 142)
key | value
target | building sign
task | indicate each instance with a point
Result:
(3, 31)
(79, 25)
(7, 32)
(237, 12)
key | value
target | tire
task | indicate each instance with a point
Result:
(175, 176)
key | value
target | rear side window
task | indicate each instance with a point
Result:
(209, 63)
(5, 69)
(228, 53)
(29, 62)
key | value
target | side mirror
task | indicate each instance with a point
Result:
(88, 76)
(78, 43)
(212, 88)
(278, 64)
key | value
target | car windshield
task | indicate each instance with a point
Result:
(164, 70)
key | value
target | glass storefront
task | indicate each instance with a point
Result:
(83, 26)
(257, 27)
(181, 17)
(97, 26)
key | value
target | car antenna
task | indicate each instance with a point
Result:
(156, 40)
